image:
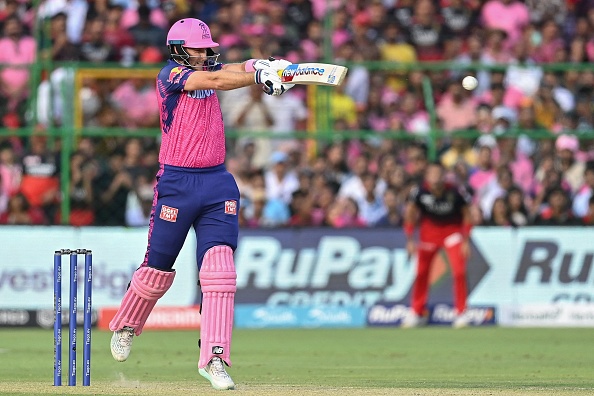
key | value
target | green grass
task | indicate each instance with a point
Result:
(431, 361)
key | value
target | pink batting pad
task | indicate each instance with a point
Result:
(147, 287)
(217, 279)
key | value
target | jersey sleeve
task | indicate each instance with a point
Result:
(464, 196)
(413, 195)
(173, 78)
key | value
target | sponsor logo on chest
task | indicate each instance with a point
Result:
(440, 207)
(201, 93)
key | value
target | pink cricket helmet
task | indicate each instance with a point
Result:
(191, 33)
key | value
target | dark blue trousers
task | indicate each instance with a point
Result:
(204, 198)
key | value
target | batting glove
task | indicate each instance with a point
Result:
(274, 64)
(271, 63)
(271, 82)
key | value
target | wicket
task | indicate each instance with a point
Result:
(88, 284)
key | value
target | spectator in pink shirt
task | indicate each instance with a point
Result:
(11, 172)
(312, 43)
(411, 117)
(495, 51)
(573, 170)
(518, 162)
(15, 49)
(497, 96)
(551, 42)
(131, 17)
(590, 49)
(577, 50)
(510, 15)
(456, 109)
(484, 171)
(340, 31)
(344, 213)
(137, 100)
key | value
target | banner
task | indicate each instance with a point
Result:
(535, 266)
(369, 268)
(521, 274)
(27, 260)
(161, 318)
(43, 318)
(383, 315)
(317, 266)
(547, 315)
(262, 316)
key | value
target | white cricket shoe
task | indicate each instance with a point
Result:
(413, 320)
(462, 320)
(216, 374)
(121, 343)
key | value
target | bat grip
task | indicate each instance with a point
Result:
(279, 72)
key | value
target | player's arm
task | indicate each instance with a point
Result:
(411, 217)
(466, 228)
(234, 67)
(225, 80)
(466, 221)
(465, 197)
(256, 64)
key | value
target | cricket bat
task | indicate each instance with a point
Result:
(313, 74)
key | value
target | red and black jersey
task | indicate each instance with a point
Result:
(446, 208)
(440, 215)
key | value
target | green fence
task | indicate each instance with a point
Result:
(321, 130)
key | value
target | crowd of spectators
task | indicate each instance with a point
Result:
(517, 179)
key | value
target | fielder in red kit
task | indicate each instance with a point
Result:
(442, 212)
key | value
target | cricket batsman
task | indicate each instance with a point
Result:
(194, 189)
(442, 211)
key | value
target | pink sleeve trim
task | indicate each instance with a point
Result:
(249, 65)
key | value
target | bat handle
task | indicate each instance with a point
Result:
(279, 72)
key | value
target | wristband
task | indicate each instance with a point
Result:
(466, 228)
(249, 65)
(409, 229)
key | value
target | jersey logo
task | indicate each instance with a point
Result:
(201, 93)
(168, 213)
(231, 207)
(427, 200)
(176, 74)
(205, 32)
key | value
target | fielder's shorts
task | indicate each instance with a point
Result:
(204, 198)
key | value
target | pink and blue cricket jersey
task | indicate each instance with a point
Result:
(193, 187)
(193, 135)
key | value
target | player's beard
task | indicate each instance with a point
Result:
(203, 63)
